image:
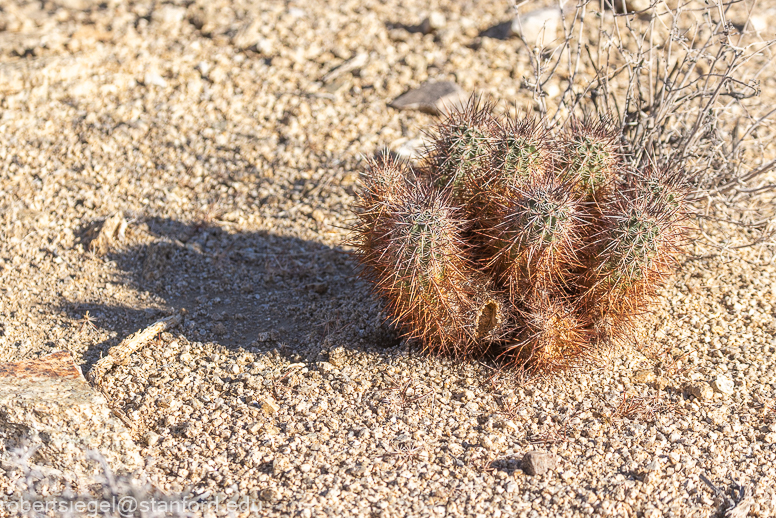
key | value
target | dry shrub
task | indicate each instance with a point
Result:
(684, 81)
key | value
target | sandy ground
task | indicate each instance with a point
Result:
(208, 127)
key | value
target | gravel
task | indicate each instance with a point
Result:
(208, 127)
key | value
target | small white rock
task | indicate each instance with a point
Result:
(268, 405)
(433, 22)
(151, 438)
(758, 22)
(410, 149)
(154, 79)
(724, 385)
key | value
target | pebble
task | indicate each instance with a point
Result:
(433, 22)
(759, 23)
(433, 97)
(154, 79)
(268, 405)
(701, 390)
(539, 462)
(270, 495)
(723, 384)
(409, 149)
(151, 438)
(537, 27)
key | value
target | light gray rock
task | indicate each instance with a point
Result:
(409, 149)
(724, 385)
(431, 97)
(537, 27)
(47, 405)
(539, 462)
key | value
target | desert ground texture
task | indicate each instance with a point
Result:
(224, 142)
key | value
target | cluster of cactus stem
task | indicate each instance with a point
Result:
(540, 248)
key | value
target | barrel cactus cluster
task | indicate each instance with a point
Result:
(542, 249)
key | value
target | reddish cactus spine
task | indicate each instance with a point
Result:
(413, 251)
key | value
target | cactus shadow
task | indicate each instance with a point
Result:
(252, 290)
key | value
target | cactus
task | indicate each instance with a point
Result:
(462, 149)
(590, 158)
(521, 151)
(534, 236)
(540, 249)
(411, 244)
(553, 336)
(640, 240)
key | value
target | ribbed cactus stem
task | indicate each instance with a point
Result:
(639, 248)
(591, 158)
(552, 336)
(462, 149)
(522, 150)
(534, 238)
(419, 262)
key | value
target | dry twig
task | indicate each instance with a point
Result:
(119, 354)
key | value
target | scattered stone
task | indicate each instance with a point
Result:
(431, 97)
(759, 23)
(537, 27)
(47, 405)
(268, 336)
(157, 259)
(539, 462)
(268, 405)
(219, 329)
(113, 230)
(248, 35)
(338, 356)
(356, 62)
(701, 390)
(724, 385)
(648, 376)
(319, 216)
(269, 495)
(433, 22)
(12, 78)
(154, 79)
(280, 465)
(409, 149)
(151, 438)
(486, 442)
